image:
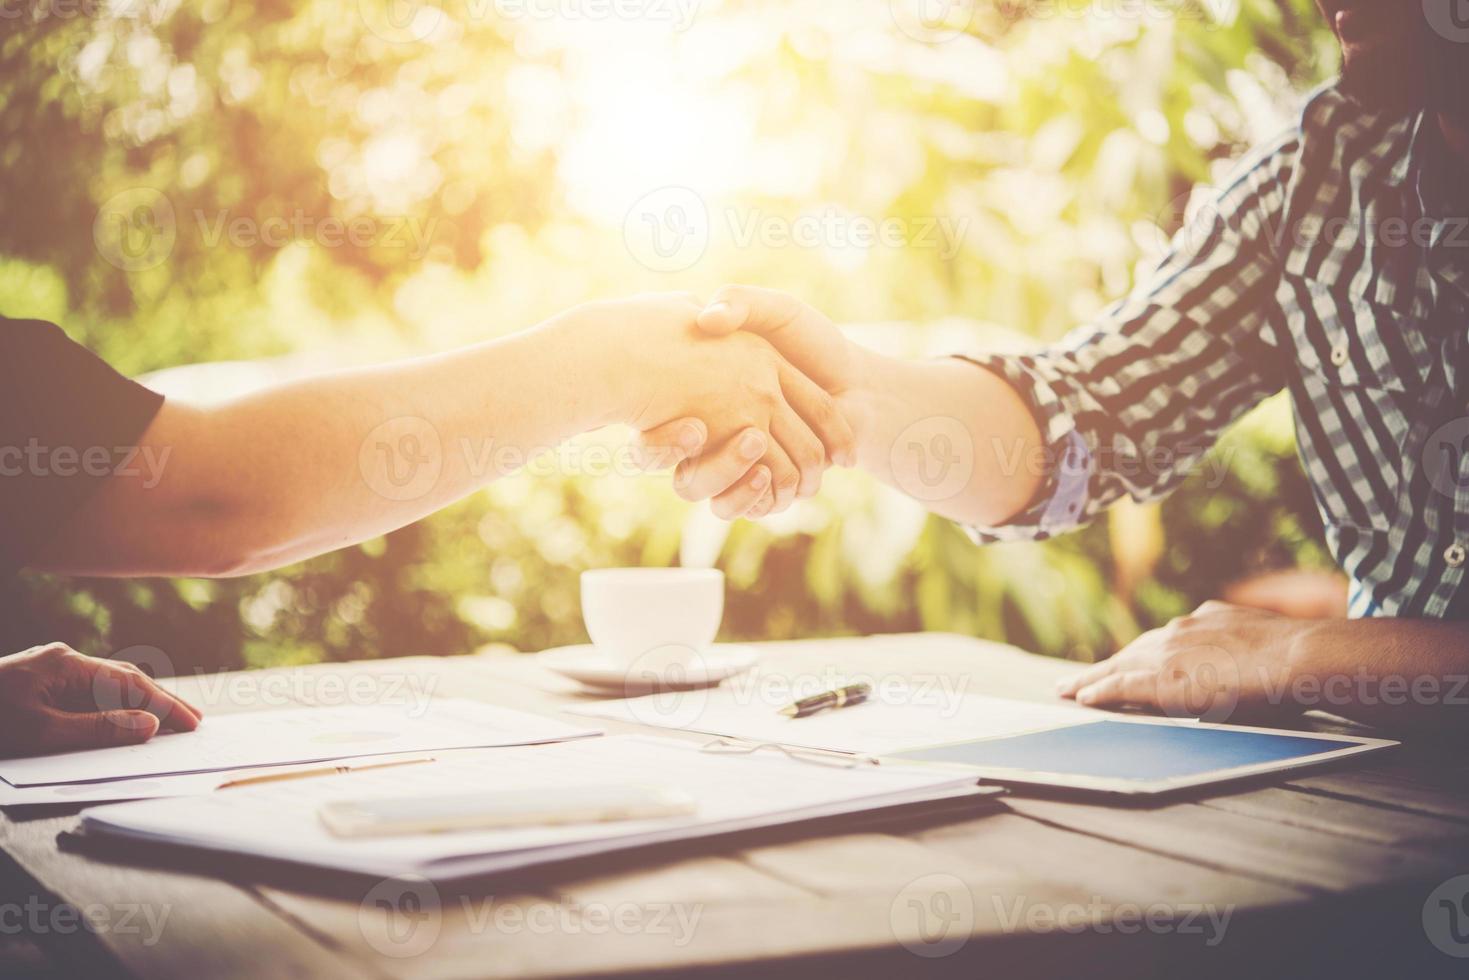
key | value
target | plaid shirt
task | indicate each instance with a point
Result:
(1334, 264)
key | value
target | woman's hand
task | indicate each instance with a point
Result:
(53, 698)
(764, 433)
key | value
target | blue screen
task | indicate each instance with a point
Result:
(1119, 750)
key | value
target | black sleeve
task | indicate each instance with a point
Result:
(68, 421)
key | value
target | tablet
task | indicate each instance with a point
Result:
(1141, 756)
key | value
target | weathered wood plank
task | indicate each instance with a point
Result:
(163, 924)
(849, 864)
(1279, 852)
(413, 928)
(1384, 790)
(1100, 867)
(704, 880)
(1346, 818)
(529, 936)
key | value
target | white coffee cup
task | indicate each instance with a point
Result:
(653, 618)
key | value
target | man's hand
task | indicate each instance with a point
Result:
(53, 699)
(772, 431)
(811, 347)
(803, 334)
(1210, 664)
(945, 432)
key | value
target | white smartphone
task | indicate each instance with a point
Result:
(390, 816)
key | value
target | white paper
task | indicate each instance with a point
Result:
(895, 719)
(147, 788)
(297, 735)
(732, 793)
(157, 787)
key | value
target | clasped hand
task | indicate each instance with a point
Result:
(740, 423)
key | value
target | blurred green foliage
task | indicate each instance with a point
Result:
(1060, 136)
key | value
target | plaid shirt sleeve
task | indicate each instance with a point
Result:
(1129, 404)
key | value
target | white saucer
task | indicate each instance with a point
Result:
(585, 664)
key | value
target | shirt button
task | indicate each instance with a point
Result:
(1455, 554)
(1340, 355)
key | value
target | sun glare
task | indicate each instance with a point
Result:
(647, 119)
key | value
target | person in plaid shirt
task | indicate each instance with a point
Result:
(1334, 264)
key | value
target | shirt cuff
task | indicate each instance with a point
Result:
(1061, 503)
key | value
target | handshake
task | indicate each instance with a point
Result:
(750, 398)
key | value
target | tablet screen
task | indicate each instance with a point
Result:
(1125, 750)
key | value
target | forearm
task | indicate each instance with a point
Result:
(948, 433)
(387, 446)
(325, 462)
(1390, 672)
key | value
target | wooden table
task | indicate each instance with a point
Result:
(1328, 873)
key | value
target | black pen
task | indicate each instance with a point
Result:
(840, 698)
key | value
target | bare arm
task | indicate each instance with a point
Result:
(1392, 672)
(321, 463)
(947, 433)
